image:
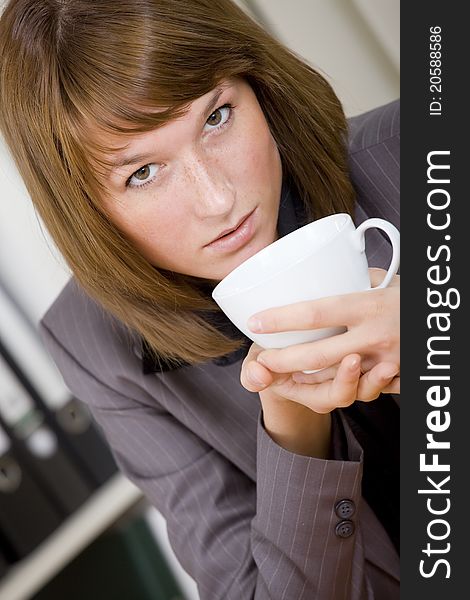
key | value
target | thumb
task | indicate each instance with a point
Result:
(254, 377)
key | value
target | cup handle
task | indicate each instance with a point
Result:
(394, 236)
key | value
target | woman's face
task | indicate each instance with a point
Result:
(200, 194)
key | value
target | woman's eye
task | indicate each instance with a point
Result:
(146, 174)
(220, 117)
(142, 176)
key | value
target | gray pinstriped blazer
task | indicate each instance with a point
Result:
(246, 518)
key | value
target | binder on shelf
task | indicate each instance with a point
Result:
(4, 566)
(37, 446)
(69, 417)
(7, 550)
(5, 560)
(26, 514)
(85, 441)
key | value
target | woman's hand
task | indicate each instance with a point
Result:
(323, 391)
(372, 319)
(296, 415)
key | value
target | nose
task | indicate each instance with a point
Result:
(211, 194)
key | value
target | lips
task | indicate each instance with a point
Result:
(235, 238)
(232, 229)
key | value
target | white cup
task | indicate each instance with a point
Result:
(324, 258)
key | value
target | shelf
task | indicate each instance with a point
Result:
(104, 507)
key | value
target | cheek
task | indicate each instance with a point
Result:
(150, 225)
(257, 157)
(163, 226)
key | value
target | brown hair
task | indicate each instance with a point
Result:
(66, 66)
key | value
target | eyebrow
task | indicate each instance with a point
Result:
(123, 161)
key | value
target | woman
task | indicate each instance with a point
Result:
(164, 142)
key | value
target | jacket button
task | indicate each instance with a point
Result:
(345, 509)
(344, 529)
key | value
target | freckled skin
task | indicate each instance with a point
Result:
(207, 178)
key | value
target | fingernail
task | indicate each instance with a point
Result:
(255, 325)
(390, 373)
(354, 364)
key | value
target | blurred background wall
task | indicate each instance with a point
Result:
(354, 43)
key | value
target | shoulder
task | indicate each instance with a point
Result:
(374, 162)
(374, 127)
(82, 336)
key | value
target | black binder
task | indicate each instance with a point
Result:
(37, 445)
(83, 437)
(3, 564)
(5, 561)
(78, 433)
(8, 555)
(26, 515)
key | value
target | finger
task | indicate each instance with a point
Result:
(376, 276)
(318, 377)
(326, 396)
(373, 383)
(332, 311)
(312, 355)
(393, 387)
(343, 389)
(253, 352)
(254, 377)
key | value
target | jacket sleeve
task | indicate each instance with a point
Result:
(276, 539)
